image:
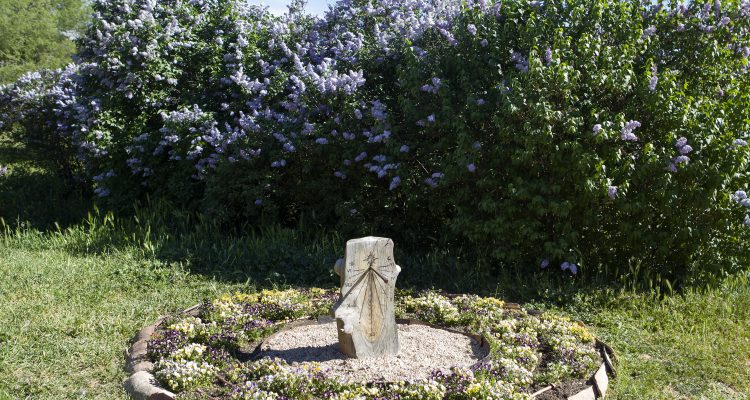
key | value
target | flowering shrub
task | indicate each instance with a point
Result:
(576, 133)
(525, 350)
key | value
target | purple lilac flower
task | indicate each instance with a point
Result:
(378, 110)
(484, 43)
(258, 202)
(394, 182)
(740, 197)
(520, 61)
(740, 142)
(471, 167)
(627, 131)
(481, 102)
(548, 56)
(566, 266)
(683, 148)
(477, 145)
(448, 36)
(472, 29)
(612, 192)
(404, 149)
(747, 221)
(724, 21)
(434, 88)
(430, 182)
(438, 175)
(361, 156)
(431, 118)
(3, 170)
(339, 174)
(597, 129)
(358, 114)
(544, 264)
(648, 32)
(654, 79)
(321, 141)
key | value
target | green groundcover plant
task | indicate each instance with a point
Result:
(577, 134)
(196, 356)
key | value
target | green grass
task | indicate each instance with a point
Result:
(67, 318)
(72, 294)
(70, 305)
(695, 345)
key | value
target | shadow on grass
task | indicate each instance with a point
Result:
(35, 198)
(63, 215)
(278, 256)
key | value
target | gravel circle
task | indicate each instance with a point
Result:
(423, 349)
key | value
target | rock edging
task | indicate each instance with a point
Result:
(141, 384)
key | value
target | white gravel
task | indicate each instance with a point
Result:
(423, 349)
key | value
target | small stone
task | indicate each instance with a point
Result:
(601, 380)
(138, 349)
(145, 333)
(139, 365)
(140, 386)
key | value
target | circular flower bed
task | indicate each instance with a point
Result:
(208, 355)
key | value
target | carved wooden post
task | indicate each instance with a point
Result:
(365, 315)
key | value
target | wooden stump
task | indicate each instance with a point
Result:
(365, 316)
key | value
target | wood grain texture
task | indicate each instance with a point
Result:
(365, 312)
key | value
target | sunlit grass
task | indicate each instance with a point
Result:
(72, 299)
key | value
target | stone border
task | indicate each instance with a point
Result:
(142, 385)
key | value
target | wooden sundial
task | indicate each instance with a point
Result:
(365, 314)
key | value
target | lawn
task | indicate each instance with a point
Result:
(67, 314)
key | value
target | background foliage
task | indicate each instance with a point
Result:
(600, 137)
(37, 34)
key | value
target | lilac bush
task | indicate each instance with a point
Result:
(535, 130)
